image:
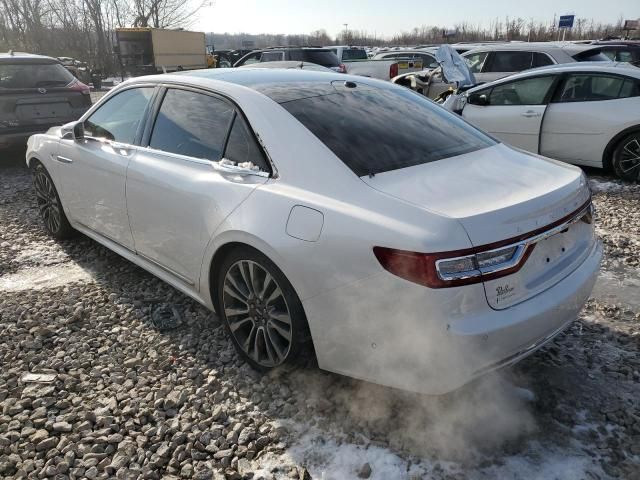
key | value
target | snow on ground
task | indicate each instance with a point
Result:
(38, 278)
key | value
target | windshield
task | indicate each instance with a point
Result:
(374, 130)
(33, 75)
(354, 54)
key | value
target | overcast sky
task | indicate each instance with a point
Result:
(386, 17)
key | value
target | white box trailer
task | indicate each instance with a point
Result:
(154, 50)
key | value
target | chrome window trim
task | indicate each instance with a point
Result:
(521, 248)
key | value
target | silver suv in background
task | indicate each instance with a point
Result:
(320, 56)
(36, 93)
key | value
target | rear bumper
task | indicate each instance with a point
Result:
(395, 333)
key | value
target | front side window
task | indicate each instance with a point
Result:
(531, 91)
(374, 130)
(192, 124)
(476, 61)
(510, 62)
(119, 118)
(242, 146)
(589, 87)
(250, 59)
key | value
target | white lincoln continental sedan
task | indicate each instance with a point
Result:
(336, 215)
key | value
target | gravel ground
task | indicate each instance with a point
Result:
(124, 395)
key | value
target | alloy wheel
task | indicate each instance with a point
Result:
(47, 200)
(629, 160)
(257, 313)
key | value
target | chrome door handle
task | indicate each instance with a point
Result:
(62, 159)
(531, 113)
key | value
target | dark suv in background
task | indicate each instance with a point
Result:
(36, 93)
(319, 56)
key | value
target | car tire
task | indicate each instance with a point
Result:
(261, 311)
(626, 157)
(49, 205)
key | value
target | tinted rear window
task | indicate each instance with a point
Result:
(591, 56)
(326, 58)
(374, 130)
(354, 54)
(32, 75)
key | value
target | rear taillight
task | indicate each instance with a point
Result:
(342, 68)
(78, 86)
(441, 270)
(393, 70)
(476, 264)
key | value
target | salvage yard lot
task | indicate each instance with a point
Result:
(134, 397)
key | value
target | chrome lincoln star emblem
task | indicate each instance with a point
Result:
(42, 90)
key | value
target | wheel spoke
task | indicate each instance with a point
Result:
(238, 296)
(265, 284)
(236, 324)
(274, 296)
(246, 277)
(268, 346)
(283, 332)
(275, 345)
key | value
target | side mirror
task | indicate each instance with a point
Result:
(78, 131)
(480, 99)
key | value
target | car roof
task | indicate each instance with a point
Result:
(589, 67)
(20, 57)
(281, 85)
(570, 48)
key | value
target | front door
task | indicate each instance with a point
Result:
(93, 169)
(514, 112)
(176, 196)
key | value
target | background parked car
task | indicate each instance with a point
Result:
(36, 92)
(620, 50)
(320, 56)
(495, 61)
(289, 65)
(582, 113)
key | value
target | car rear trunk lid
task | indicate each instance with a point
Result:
(502, 196)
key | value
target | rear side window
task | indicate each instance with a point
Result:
(591, 56)
(33, 75)
(192, 124)
(510, 62)
(589, 87)
(354, 54)
(119, 117)
(272, 57)
(326, 58)
(541, 60)
(531, 91)
(375, 130)
(242, 146)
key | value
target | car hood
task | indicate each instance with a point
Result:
(496, 193)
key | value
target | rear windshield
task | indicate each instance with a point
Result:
(354, 54)
(326, 58)
(33, 75)
(376, 130)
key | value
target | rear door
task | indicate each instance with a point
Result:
(514, 111)
(93, 170)
(35, 95)
(177, 194)
(587, 110)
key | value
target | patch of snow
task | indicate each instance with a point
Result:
(44, 277)
(600, 185)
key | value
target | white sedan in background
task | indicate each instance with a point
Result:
(582, 113)
(329, 214)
